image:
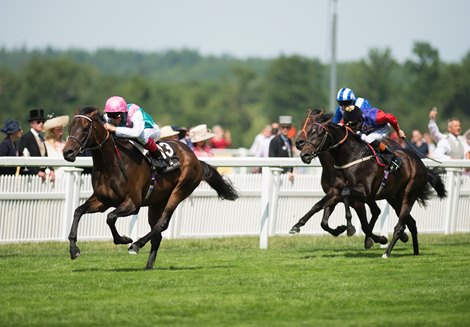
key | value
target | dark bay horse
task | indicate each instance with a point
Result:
(365, 178)
(333, 183)
(123, 179)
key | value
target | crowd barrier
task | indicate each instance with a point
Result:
(31, 210)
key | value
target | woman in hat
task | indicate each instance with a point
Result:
(54, 135)
(168, 134)
(199, 135)
(8, 147)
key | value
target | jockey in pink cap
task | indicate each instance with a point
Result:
(131, 121)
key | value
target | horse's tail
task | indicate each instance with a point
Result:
(224, 188)
(434, 178)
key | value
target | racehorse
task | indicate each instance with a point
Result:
(123, 178)
(366, 180)
(333, 184)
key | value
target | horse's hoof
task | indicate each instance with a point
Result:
(368, 243)
(133, 249)
(351, 231)
(74, 254)
(385, 256)
(383, 240)
(404, 237)
(294, 230)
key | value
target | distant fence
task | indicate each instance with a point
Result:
(31, 210)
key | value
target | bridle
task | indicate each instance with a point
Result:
(326, 135)
(83, 144)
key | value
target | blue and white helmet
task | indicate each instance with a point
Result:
(345, 94)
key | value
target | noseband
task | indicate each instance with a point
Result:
(83, 144)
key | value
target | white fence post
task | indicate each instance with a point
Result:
(72, 197)
(274, 193)
(265, 207)
(453, 180)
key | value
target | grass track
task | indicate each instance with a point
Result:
(298, 281)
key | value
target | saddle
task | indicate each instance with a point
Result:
(169, 160)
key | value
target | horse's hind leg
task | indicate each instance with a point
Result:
(90, 206)
(351, 230)
(155, 241)
(411, 223)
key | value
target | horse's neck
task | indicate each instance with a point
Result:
(349, 150)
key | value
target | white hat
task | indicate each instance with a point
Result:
(285, 120)
(59, 121)
(167, 131)
(200, 133)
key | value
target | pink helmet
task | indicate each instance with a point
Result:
(115, 104)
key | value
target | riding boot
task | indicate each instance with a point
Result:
(390, 158)
(157, 160)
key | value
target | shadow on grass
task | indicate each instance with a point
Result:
(133, 269)
(399, 253)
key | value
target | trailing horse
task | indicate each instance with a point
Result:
(123, 178)
(369, 181)
(333, 183)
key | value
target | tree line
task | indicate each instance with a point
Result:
(184, 88)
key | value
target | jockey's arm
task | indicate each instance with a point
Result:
(384, 118)
(137, 128)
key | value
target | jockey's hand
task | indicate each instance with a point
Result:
(401, 134)
(110, 128)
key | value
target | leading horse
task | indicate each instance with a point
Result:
(366, 180)
(123, 179)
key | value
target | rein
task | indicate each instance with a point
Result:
(325, 137)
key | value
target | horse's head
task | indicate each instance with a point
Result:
(316, 138)
(85, 133)
(312, 116)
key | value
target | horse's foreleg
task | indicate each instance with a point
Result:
(324, 223)
(90, 206)
(126, 208)
(370, 237)
(317, 207)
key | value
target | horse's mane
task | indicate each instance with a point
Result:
(323, 118)
(86, 111)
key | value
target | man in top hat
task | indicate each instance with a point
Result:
(8, 148)
(32, 145)
(281, 144)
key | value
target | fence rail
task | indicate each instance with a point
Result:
(31, 210)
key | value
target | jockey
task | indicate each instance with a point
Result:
(131, 121)
(372, 125)
(345, 98)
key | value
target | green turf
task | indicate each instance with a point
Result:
(298, 281)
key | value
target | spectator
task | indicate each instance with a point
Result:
(451, 145)
(32, 145)
(281, 145)
(199, 136)
(260, 146)
(54, 135)
(183, 135)
(54, 138)
(222, 139)
(274, 128)
(467, 145)
(418, 143)
(8, 148)
(167, 133)
(431, 146)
